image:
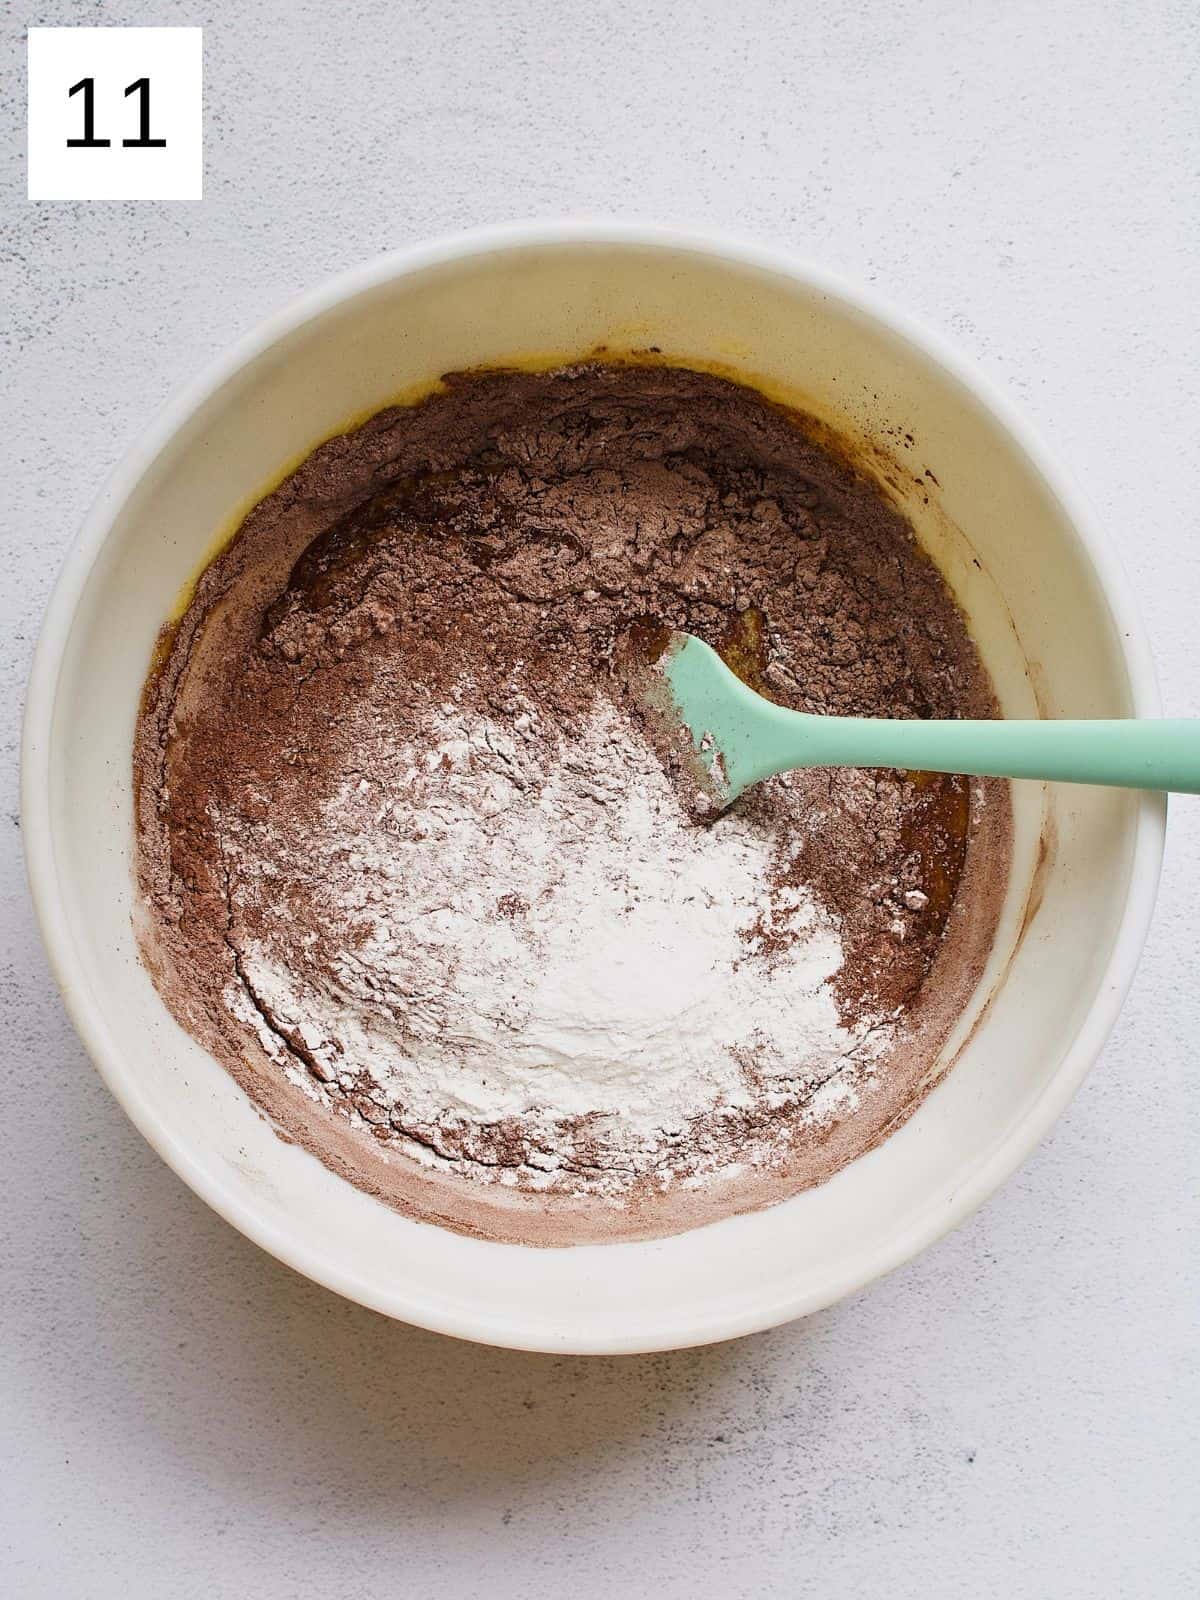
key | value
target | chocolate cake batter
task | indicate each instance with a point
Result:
(407, 669)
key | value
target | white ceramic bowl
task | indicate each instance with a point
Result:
(1046, 601)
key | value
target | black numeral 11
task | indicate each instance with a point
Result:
(140, 87)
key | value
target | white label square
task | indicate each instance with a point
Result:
(116, 113)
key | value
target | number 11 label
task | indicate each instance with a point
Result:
(115, 114)
(90, 142)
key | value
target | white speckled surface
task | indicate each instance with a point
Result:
(1013, 1414)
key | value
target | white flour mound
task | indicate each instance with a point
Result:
(549, 945)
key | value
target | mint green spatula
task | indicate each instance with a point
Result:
(740, 738)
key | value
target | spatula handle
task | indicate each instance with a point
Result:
(1132, 754)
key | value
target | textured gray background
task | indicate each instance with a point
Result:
(1013, 1414)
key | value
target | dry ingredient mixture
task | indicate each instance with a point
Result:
(413, 870)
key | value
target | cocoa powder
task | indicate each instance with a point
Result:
(488, 552)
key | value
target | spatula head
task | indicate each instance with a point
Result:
(702, 710)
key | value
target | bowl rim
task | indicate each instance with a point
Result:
(934, 1220)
